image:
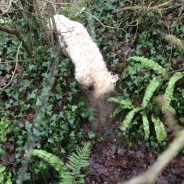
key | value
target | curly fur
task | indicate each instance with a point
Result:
(90, 68)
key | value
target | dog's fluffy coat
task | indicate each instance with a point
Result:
(90, 68)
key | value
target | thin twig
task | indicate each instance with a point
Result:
(17, 58)
(14, 32)
(144, 8)
(9, 6)
(87, 12)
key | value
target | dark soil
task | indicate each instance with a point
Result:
(112, 162)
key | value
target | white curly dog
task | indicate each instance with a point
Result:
(90, 68)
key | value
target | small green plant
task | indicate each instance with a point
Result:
(5, 177)
(4, 125)
(68, 173)
(161, 134)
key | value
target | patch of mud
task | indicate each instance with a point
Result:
(102, 110)
(114, 164)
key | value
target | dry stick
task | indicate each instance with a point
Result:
(142, 7)
(17, 58)
(14, 32)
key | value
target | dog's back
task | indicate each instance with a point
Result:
(90, 67)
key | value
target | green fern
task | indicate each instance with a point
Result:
(159, 129)
(123, 104)
(128, 119)
(68, 173)
(145, 126)
(77, 161)
(154, 83)
(5, 178)
(53, 160)
(148, 63)
(170, 87)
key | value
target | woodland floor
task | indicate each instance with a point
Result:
(113, 163)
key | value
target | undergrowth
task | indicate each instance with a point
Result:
(134, 46)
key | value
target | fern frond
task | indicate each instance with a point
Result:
(146, 126)
(159, 129)
(2, 175)
(148, 63)
(77, 160)
(128, 119)
(123, 104)
(153, 85)
(170, 87)
(53, 160)
(68, 173)
(8, 179)
(126, 103)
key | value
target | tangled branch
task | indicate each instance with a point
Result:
(145, 8)
(17, 58)
(14, 32)
(8, 8)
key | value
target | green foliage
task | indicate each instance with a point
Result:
(62, 117)
(74, 12)
(170, 87)
(146, 103)
(159, 129)
(5, 178)
(77, 160)
(153, 85)
(145, 126)
(4, 124)
(128, 119)
(59, 120)
(68, 173)
(51, 159)
(122, 104)
(148, 63)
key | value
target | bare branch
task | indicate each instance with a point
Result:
(8, 8)
(14, 32)
(17, 58)
(144, 8)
